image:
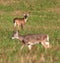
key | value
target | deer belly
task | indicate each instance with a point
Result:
(32, 43)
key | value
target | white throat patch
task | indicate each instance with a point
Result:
(25, 20)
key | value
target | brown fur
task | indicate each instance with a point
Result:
(20, 22)
(32, 39)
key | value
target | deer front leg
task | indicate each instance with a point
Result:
(29, 46)
(22, 26)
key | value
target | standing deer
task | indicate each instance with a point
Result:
(20, 21)
(32, 39)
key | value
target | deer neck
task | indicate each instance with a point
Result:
(20, 37)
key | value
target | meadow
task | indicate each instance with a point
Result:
(44, 18)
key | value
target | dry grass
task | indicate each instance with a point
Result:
(8, 2)
(57, 10)
(43, 18)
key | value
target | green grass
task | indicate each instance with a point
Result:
(44, 17)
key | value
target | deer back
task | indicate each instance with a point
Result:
(35, 38)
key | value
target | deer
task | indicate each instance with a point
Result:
(20, 21)
(32, 39)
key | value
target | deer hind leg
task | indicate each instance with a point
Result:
(45, 44)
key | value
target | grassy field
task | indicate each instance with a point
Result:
(44, 17)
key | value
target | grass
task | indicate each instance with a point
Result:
(44, 17)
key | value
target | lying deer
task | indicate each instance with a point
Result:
(20, 21)
(32, 39)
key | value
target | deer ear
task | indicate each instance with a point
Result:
(24, 14)
(27, 14)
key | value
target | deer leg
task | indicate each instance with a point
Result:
(22, 26)
(22, 47)
(29, 46)
(14, 24)
(18, 27)
(45, 44)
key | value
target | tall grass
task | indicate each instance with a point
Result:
(44, 17)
